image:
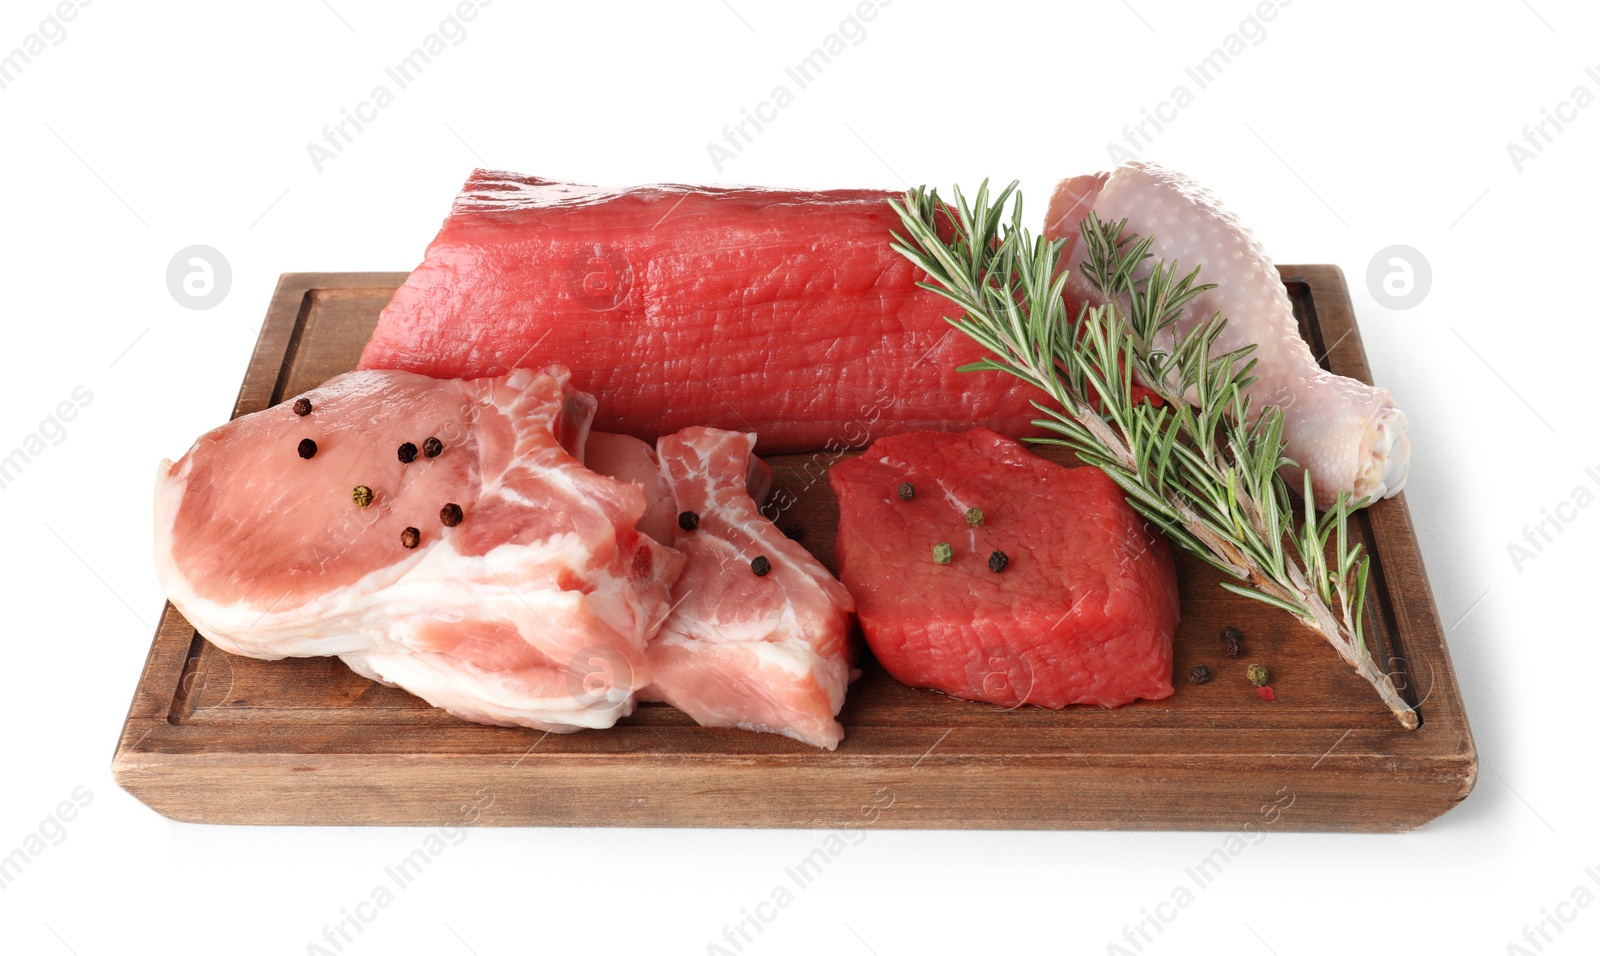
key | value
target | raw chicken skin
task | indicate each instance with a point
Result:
(534, 610)
(766, 653)
(1349, 435)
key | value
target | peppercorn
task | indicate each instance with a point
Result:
(975, 516)
(1200, 675)
(688, 520)
(761, 566)
(407, 453)
(410, 537)
(1258, 675)
(794, 532)
(302, 407)
(907, 491)
(998, 562)
(432, 448)
(450, 515)
(361, 495)
(1232, 641)
(943, 553)
(307, 448)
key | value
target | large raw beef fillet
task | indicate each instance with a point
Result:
(781, 312)
(491, 574)
(1058, 594)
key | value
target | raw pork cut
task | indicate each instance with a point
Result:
(533, 610)
(629, 459)
(1349, 435)
(767, 652)
(785, 313)
(1081, 610)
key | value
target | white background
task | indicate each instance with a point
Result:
(1351, 127)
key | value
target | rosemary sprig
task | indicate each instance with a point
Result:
(1204, 467)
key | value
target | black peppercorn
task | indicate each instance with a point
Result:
(432, 448)
(1232, 642)
(998, 562)
(410, 537)
(407, 453)
(761, 566)
(302, 407)
(907, 491)
(794, 532)
(1200, 675)
(450, 515)
(307, 448)
(688, 520)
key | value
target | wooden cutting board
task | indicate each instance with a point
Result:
(214, 738)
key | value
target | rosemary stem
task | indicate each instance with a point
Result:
(1209, 477)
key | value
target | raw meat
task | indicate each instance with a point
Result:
(628, 459)
(763, 652)
(785, 313)
(534, 610)
(1351, 436)
(1082, 612)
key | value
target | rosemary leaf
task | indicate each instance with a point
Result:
(1204, 467)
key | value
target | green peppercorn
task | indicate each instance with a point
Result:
(307, 448)
(975, 516)
(1200, 675)
(450, 515)
(407, 453)
(410, 537)
(361, 495)
(943, 553)
(1258, 675)
(907, 491)
(998, 562)
(761, 566)
(688, 520)
(432, 448)
(302, 407)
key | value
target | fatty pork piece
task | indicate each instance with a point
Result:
(758, 635)
(1052, 592)
(491, 573)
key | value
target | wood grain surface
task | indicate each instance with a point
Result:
(215, 738)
